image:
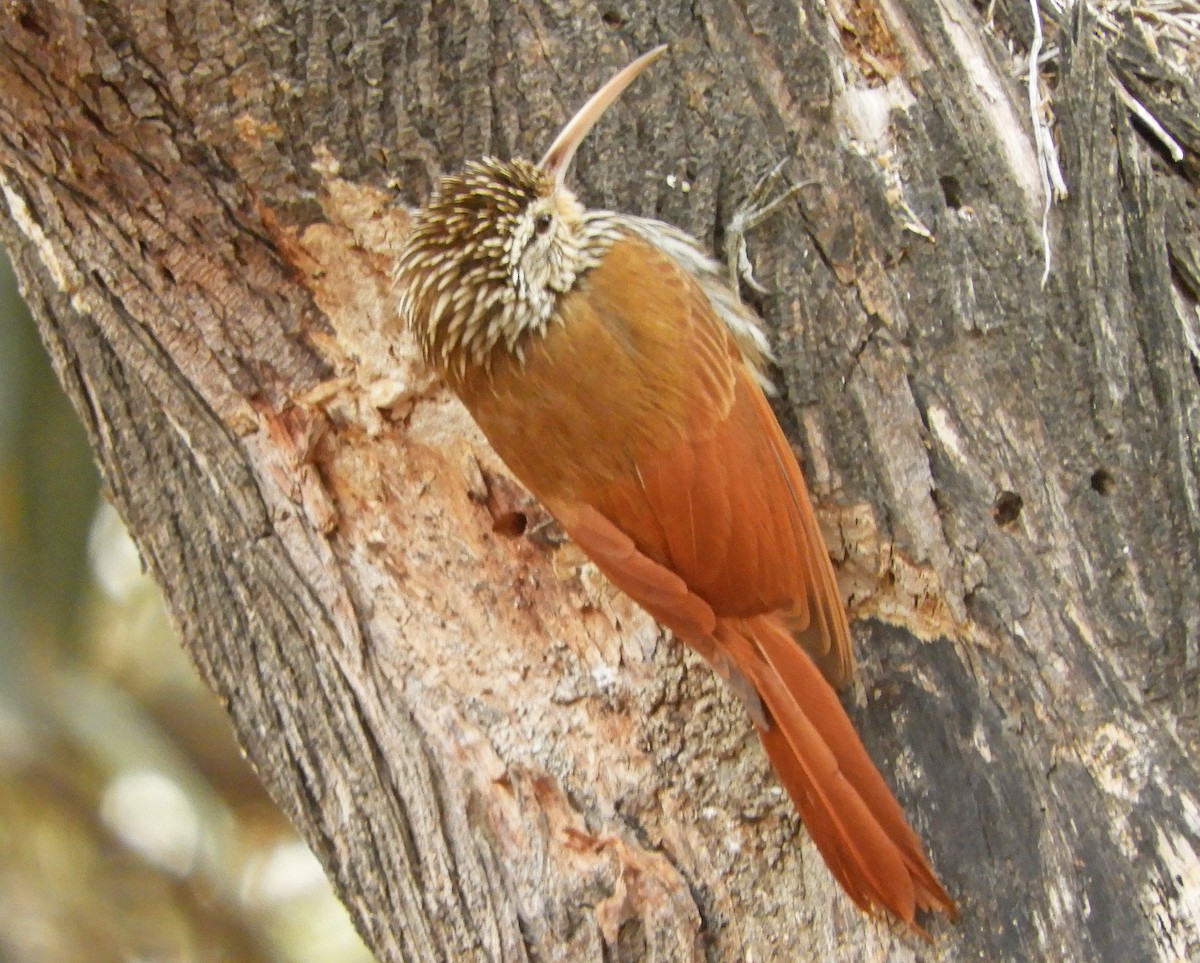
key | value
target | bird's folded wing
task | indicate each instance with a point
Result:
(716, 497)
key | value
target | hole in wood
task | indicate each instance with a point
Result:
(510, 524)
(31, 23)
(952, 191)
(1103, 481)
(613, 19)
(1007, 508)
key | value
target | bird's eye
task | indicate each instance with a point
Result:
(541, 223)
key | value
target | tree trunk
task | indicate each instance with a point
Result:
(494, 754)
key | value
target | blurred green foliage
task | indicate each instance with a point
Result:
(130, 826)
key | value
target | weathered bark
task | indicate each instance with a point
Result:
(494, 755)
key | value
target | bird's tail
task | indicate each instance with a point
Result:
(850, 813)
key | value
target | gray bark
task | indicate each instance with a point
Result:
(493, 754)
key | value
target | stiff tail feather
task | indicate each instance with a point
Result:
(850, 813)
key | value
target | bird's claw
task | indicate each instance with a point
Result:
(758, 206)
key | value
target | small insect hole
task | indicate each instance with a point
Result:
(1102, 481)
(613, 19)
(1007, 508)
(510, 524)
(31, 23)
(952, 191)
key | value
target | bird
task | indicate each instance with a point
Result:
(613, 368)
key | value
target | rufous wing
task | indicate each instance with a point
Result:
(635, 420)
(703, 481)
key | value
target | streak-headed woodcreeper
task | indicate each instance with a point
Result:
(620, 379)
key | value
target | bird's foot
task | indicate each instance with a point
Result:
(758, 206)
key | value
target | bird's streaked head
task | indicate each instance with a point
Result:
(497, 245)
(487, 259)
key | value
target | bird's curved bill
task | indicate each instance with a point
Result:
(558, 157)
